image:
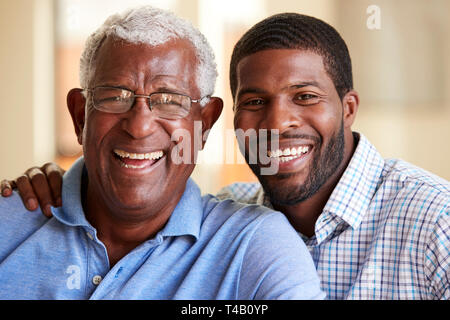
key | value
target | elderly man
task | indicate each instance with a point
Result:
(376, 228)
(132, 224)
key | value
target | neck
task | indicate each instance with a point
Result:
(121, 232)
(303, 215)
(120, 237)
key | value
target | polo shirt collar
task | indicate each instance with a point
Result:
(186, 219)
(71, 213)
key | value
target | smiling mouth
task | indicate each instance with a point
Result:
(288, 154)
(137, 160)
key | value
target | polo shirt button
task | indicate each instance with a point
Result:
(96, 280)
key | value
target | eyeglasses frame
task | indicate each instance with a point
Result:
(144, 96)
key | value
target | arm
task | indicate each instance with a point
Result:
(437, 258)
(278, 265)
(37, 187)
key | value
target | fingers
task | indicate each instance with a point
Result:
(40, 188)
(26, 192)
(7, 187)
(54, 177)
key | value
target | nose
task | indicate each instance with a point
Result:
(280, 115)
(140, 121)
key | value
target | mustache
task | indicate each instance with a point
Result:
(293, 135)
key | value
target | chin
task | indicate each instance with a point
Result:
(292, 194)
(294, 189)
(132, 199)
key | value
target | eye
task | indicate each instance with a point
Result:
(306, 99)
(251, 104)
(168, 99)
(111, 95)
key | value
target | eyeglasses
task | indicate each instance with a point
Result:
(165, 105)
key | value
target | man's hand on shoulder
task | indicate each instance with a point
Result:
(38, 186)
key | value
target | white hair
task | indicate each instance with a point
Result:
(153, 26)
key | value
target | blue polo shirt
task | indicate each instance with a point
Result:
(209, 249)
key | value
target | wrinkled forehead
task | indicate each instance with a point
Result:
(139, 63)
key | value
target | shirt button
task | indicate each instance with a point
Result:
(96, 280)
(90, 235)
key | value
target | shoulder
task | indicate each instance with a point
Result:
(407, 173)
(236, 216)
(17, 223)
(415, 184)
(414, 199)
(274, 263)
(12, 210)
(245, 192)
(255, 225)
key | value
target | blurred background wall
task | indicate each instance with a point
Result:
(400, 52)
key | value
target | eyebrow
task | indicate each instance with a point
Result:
(165, 82)
(303, 84)
(108, 85)
(163, 88)
(166, 89)
(293, 86)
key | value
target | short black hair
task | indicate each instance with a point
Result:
(297, 31)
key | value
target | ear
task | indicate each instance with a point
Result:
(350, 104)
(76, 104)
(210, 113)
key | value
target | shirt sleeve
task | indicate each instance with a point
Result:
(437, 258)
(278, 265)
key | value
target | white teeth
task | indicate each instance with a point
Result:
(130, 166)
(284, 159)
(275, 153)
(140, 156)
(284, 154)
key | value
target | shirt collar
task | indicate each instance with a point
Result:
(71, 212)
(186, 218)
(357, 186)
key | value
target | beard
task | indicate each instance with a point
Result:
(323, 165)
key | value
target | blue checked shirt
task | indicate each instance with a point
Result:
(384, 232)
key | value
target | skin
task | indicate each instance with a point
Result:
(128, 206)
(38, 187)
(290, 90)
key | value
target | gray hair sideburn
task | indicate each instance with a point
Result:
(153, 26)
